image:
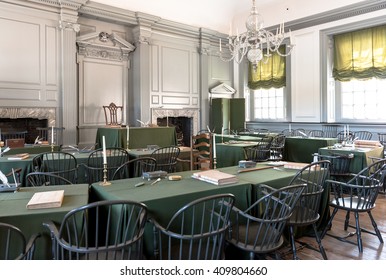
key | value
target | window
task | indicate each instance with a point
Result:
(360, 75)
(268, 104)
(267, 88)
(362, 100)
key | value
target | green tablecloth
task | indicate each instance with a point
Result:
(361, 156)
(298, 149)
(31, 149)
(139, 137)
(229, 154)
(13, 211)
(166, 197)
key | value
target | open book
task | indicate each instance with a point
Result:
(215, 177)
(49, 199)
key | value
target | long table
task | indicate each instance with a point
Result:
(166, 197)
(300, 149)
(362, 156)
(13, 211)
(139, 137)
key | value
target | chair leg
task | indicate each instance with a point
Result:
(321, 248)
(347, 220)
(358, 232)
(293, 245)
(329, 224)
(377, 232)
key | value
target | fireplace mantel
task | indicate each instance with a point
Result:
(164, 113)
(29, 112)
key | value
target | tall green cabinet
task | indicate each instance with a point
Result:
(227, 114)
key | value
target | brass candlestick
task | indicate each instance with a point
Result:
(105, 183)
(52, 147)
(214, 163)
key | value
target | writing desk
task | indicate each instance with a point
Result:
(139, 137)
(301, 149)
(30, 221)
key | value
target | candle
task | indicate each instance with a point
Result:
(52, 135)
(289, 127)
(348, 131)
(104, 150)
(344, 132)
(127, 135)
(214, 146)
(220, 45)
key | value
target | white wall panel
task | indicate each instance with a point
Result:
(305, 78)
(102, 84)
(175, 70)
(20, 44)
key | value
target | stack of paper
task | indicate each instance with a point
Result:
(215, 177)
(19, 156)
(49, 199)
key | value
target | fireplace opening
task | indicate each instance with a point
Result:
(23, 124)
(183, 127)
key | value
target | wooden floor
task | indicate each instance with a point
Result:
(339, 250)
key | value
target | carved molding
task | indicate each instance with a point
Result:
(174, 113)
(25, 112)
(104, 45)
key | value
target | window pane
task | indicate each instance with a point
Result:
(362, 100)
(268, 103)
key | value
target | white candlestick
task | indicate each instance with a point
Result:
(127, 134)
(214, 146)
(289, 127)
(104, 150)
(52, 135)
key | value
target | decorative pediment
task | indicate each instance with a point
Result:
(223, 89)
(104, 45)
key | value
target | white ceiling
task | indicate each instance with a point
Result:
(220, 14)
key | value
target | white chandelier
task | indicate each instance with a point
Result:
(256, 43)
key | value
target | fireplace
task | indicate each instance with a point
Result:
(185, 121)
(26, 119)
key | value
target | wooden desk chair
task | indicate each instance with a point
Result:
(258, 229)
(14, 245)
(94, 168)
(166, 158)
(201, 151)
(45, 134)
(357, 196)
(58, 163)
(316, 133)
(103, 230)
(363, 135)
(197, 231)
(306, 211)
(113, 114)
